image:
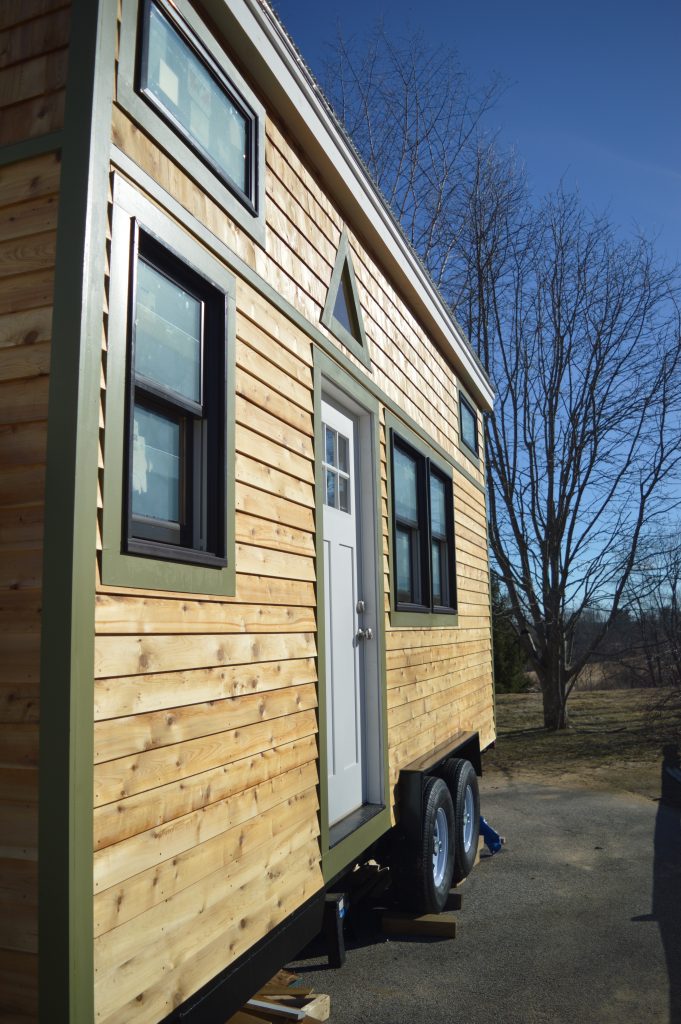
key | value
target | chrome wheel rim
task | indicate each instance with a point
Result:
(468, 809)
(440, 846)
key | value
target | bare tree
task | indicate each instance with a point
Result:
(414, 116)
(655, 601)
(578, 331)
(584, 349)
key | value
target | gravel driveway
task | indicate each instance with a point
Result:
(570, 923)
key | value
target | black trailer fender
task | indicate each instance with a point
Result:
(412, 780)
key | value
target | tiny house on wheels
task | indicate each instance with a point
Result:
(245, 594)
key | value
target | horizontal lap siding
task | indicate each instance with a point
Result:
(449, 687)
(33, 61)
(205, 820)
(33, 57)
(205, 733)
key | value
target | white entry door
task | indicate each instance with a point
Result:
(342, 591)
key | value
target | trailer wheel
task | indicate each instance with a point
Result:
(434, 862)
(462, 782)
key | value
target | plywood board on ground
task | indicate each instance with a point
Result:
(395, 922)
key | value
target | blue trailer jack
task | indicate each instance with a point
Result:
(493, 841)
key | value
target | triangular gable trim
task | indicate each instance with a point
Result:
(356, 343)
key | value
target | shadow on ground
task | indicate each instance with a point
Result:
(666, 908)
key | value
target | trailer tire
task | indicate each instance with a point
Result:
(462, 782)
(433, 866)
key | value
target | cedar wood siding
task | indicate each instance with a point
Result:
(33, 57)
(206, 831)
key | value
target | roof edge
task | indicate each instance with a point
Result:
(269, 55)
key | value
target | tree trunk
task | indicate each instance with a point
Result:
(555, 707)
(553, 683)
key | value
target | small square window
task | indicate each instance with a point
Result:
(468, 425)
(176, 410)
(336, 470)
(423, 532)
(178, 77)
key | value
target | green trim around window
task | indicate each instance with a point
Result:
(472, 456)
(65, 849)
(338, 857)
(118, 567)
(358, 346)
(170, 141)
(423, 620)
(243, 270)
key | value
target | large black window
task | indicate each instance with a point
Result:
(176, 410)
(180, 79)
(423, 532)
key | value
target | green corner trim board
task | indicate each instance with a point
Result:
(67, 643)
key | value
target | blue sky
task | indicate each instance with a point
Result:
(594, 94)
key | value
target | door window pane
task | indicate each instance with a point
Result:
(343, 453)
(406, 497)
(156, 466)
(330, 446)
(438, 518)
(331, 495)
(403, 565)
(344, 494)
(167, 333)
(183, 86)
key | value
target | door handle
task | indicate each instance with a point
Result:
(365, 634)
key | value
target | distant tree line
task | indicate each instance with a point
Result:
(643, 644)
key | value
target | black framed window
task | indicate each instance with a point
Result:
(468, 424)
(178, 77)
(423, 532)
(175, 494)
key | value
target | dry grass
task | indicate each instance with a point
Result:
(615, 739)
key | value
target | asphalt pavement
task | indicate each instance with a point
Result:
(577, 920)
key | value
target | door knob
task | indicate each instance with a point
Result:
(365, 634)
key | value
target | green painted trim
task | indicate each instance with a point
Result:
(343, 853)
(28, 148)
(66, 971)
(118, 567)
(359, 348)
(321, 610)
(351, 849)
(421, 620)
(240, 267)
(168, 140)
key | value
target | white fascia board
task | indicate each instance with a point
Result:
(276, 69)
